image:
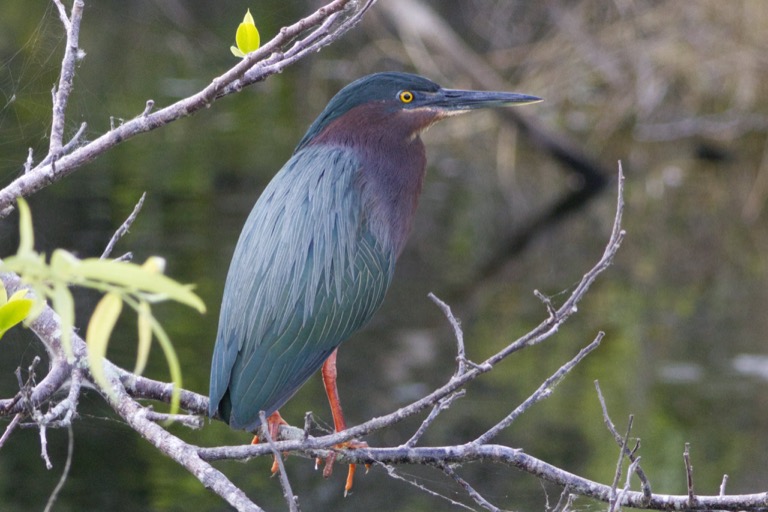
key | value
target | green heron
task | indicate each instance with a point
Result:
(317, 253)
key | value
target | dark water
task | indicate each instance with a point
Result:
(683, 306)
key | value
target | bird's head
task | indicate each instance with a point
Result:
(417, 101)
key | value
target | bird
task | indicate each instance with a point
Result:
(317, 253)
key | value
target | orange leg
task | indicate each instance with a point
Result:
(329, 381)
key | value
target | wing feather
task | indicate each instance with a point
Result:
(306, 273)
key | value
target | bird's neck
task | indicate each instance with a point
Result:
(392, 168)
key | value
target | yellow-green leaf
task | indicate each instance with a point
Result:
(13, 312)
(97, 335)
(154, 264)
(173, 363)
(26, 233)
(19, 294)
(64, 264)
(247, 36)
(132, 276)
(65, 307)
(145, 337)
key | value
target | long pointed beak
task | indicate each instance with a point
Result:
(457, 100)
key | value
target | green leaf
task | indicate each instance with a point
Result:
(63, 264)
(97, 336)
(64, 305)
(26, 233)
(13, 312)
(247, 36)
(173, 363)
(20, 294)
(145, 337)
(134, 277)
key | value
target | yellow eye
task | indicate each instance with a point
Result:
(405, 96)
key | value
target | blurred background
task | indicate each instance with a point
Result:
(513, 202)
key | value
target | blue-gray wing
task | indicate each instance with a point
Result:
(305, 275)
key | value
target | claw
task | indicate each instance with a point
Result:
(350, 479)
(328, 468)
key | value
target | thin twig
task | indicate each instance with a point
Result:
(461, 356)
(476, 496)
(646, 486)
(64, 474)
(442, 405)
(10, 428)
(617, 475)
(619, 499)
(65, 410)
(30, 161)
(392, 472)
(192, 421)
(547, 303)
(541, 393)
(308, 420)
(723, 484)
(290, 498)
(44, 446)
(689, 474)
(62, 92)
(67, 147)
(123, 229)
(148, 107)
(564, 501)
(62, 14)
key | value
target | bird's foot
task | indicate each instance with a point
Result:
(329, 460)
(274, 421)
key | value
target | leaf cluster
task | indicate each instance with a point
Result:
(122, 282)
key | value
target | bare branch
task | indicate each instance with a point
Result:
(65, 473)
(689, 475)
(541, 393)
(476, 496)
(184, 454)
(496, 454)
(62, 14)
(461, 356)
(442, 405)
(392, 472)
(723, 484)
(47, 328)
(193, 422)
(123, 229)
(44, 447)
(646, 486)
(290, 498)
(631, 469)
(617, 476)
(10, 428)
(61, 94)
